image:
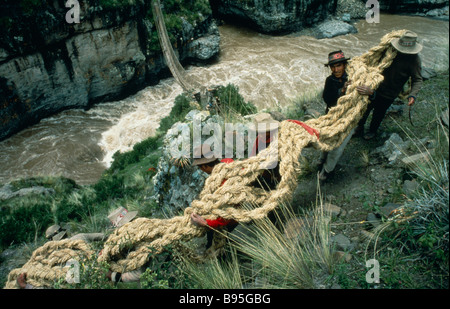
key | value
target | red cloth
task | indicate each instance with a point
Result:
(227, 160)
(306, 127)
(218, 222)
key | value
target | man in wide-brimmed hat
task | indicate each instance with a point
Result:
(204, 158)
(335, 87)
(406, 64)
(335, 84)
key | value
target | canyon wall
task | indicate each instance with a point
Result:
(48, 65)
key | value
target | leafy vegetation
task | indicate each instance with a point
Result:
(182, 106)
(112, 4)
(174, 11)
(231, 102)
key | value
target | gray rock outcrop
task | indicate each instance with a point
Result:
(274, 17)
(176, 186)
(412, 6)
(278, 17)
(7, 191)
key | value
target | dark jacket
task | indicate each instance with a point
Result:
(333, 90)
(402, 68)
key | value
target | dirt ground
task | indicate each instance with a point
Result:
(363, 182)
(356, 185)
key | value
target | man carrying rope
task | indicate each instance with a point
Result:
(406, 64)
(206, 163)
(335, 86)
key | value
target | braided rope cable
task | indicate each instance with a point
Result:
(129, 247)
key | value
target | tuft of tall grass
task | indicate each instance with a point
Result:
(421, 224)
(310, 99)
(365, 158)
(293, 252)
(214, 273)
(295, 260)
(232, 105)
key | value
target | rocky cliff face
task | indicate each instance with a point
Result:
(48, 65)
(274, 16)
(411, 6)
(277, 17)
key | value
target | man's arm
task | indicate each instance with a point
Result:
(330, 94)
(416, 80)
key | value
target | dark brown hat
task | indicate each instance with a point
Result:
(336, 57)
(205, 153)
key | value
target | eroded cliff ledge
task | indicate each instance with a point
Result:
(48, 65)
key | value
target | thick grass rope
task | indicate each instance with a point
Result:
(130, 246)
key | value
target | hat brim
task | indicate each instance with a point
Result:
(59, 236)
(406, 50)
(267, 130)
(127, 218)
(201, 161)
(337, 61)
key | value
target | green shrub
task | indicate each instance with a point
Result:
(232, 101)
(61, 185)
(192, 11)
(110, 187)
(75, 206)
(179, 111)
(163, 271)
(140, 150)
(23, 224)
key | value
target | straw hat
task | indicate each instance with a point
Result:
(205, 153)
(120, 216)
(407, 43)
(265, 118)
(55, 232)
